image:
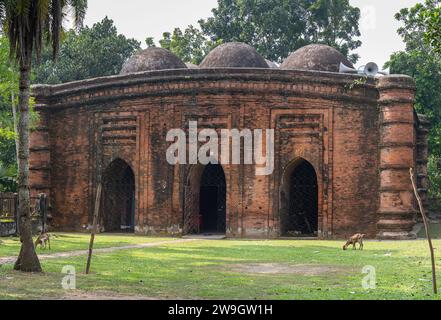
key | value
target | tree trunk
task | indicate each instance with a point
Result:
(27, 260)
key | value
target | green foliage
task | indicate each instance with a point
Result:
(425, 68)
(92, 52)
(431, 18)
(278, 27)
(435, 177)
(274, 27)
(356, 83)
(422, 61)
(150, 42)
(421, 26)
(8, 71)
(7, 146)
(190, 45)
(8, 178)
(8, 91)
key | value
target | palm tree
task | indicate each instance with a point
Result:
(27, 23)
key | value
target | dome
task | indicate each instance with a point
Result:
(316, 57)
(234, 55)
(152, 59)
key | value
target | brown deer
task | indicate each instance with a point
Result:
(43, 240)
(357, 238)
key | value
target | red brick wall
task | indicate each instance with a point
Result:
(70, 168)
(355, 170)
(320, 117)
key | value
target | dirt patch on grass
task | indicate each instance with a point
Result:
(281, 268)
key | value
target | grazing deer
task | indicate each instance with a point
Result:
(357, 238)
(43, 240)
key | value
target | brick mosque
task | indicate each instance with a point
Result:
(344, 144)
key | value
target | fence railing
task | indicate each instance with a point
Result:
(9, 222)
(8, 214)
(8, 206)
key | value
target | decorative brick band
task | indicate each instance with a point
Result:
(312, 84)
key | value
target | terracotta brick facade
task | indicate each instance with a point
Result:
(361, 137)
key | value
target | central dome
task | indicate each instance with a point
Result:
(152, 59)
(234, 55)
(317, 57)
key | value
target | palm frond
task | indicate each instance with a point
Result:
(2, 11)
(28, 22)
(79, 8)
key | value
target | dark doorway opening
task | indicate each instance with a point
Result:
(118, 206)
(212, 200)
(301, 219)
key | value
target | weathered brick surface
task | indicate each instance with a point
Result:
(397, 154)
(358, 138)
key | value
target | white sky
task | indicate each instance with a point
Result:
(142, 18)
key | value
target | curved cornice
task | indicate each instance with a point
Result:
(325, 85)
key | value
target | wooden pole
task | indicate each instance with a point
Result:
(426, 226)
(94, 226)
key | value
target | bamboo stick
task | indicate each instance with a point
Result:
(94, 227)
(426, 226)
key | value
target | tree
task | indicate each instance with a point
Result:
(8, 136)
(150, 42)
(92, 52)
(422, 61)
(26, 23)
(335, 23)
(278, 27)
(430, 16)
(274, 27)
(190, 45)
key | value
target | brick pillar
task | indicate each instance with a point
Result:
(40, 159)
(397, 214)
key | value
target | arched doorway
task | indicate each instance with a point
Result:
(205, 200)
(212, 200)
(118, 206)
(299, 214)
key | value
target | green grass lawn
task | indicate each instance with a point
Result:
(232, 269)
(63, 242)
